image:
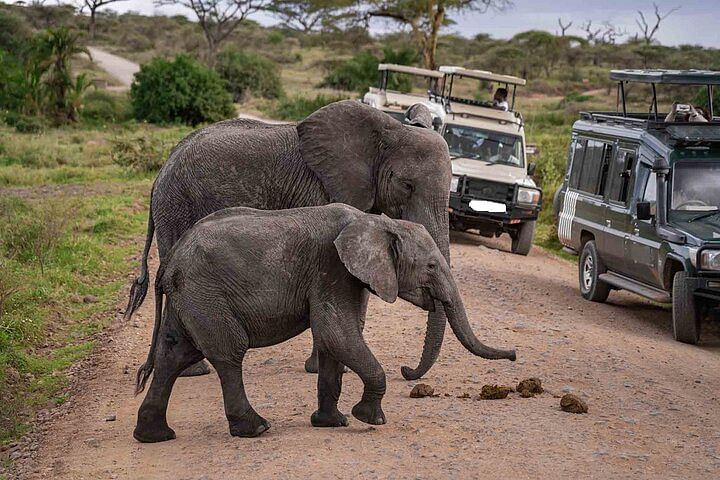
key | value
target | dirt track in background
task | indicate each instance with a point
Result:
(653, 402)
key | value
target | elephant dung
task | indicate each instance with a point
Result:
(573, 404)
(422, 390)
(494, 392)
(530, 387)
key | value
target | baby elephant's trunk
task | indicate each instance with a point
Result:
(455, 311)
(146, 368)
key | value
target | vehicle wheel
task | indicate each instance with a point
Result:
(590, 267)
(522, 240)
(685, 312)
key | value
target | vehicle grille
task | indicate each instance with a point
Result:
(487, 190)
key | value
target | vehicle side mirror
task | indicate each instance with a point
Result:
(531, 168)
(644, 211)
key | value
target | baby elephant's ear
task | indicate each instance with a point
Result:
(368, 247)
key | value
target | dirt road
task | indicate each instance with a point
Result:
(654, 409)
(120, 68)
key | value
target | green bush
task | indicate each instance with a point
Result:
(299, 107)
(100, 106)
(247, 73)
(142, 154)
(14, 32)
(26, 123)
(361, 71)
(179, 91)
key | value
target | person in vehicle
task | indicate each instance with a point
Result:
(500, 99)
(681, 112)
(505, 155)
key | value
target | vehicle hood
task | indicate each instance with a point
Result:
(492, 172)
(706, 229)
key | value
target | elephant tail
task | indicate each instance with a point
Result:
(139, 288)
(146, 368)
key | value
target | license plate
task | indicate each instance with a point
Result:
(486, 206)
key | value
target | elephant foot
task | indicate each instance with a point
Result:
(369, 412)
(196, 369)
(153, 433)
(252, 426)
(328, 419)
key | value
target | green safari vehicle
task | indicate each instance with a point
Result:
(640, 202)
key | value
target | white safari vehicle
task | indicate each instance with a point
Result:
(492, 190)
(395, 102)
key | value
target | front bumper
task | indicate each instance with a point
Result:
(476, 203)
(706, 287)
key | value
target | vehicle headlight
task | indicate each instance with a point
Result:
(454, 183)
(709, 260)
(528, 196)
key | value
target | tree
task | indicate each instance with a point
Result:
(53, 52)
(648, 32)
(93, 6)
(219, 18)
(564, 27)
(425, 18)
(308, 15)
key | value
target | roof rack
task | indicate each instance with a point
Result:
(453, 71)
(655, 77)
(422, 72)
(613, 118)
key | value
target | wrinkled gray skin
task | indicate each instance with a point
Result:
(244, 278)
(346, 152)
(419, 115)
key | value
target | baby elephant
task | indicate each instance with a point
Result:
(244, 278)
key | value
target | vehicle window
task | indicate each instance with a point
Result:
(577, 161)
(491, 147)
(695, 186)
(591, 167)
(621, 175)
(607, 155)
(650, 193)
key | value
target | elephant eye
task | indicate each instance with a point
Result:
(408, 186)
(431, 266)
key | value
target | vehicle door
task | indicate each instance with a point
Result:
(643, 244)
(617, 211)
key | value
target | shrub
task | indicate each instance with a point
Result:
(299, 107)
(179, 91)
(247, 73)
(14, 32)
(100, 106)
(25, 123)
(142, 154)
(360, 72)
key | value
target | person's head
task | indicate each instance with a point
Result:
(501, 94)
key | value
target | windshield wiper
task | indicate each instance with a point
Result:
(704, 215)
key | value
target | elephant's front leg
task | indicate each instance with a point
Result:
(329, 387)
(312, 362)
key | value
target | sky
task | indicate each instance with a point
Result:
(696, 22)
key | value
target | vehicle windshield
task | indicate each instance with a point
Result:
(695, 187)
(491, 147)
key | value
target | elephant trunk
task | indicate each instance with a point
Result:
(457, 317)
(436, 320)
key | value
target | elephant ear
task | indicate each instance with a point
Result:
(369, 247)
(341, 143)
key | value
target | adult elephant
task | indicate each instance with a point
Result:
(345, 152)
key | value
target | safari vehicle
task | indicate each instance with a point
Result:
(492, 189)
(640, 203)
(388, 97)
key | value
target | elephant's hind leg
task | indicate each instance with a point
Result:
(329, 387)
(243, 419)
(174, 353)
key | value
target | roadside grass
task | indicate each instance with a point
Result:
(79, 154)
(63, 277)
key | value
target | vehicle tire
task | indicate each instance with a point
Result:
(685, 311)
(523, 239)
(590, 267)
